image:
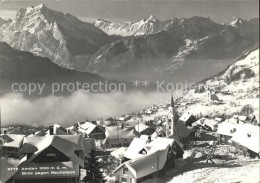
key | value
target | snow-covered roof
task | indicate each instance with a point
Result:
(37, 134)
(135, 147)
(229, 129)
(114, 132)
(139, 144)
(119, 153)
(12, 140)
(248, 136)
(87, 127)
(199, 121)
(185, 117)
(67, 144)
(148, 164)
(141, 127)
(145, 164)
(211, 123)
(205, 121)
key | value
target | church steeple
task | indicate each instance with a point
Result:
(172, 102)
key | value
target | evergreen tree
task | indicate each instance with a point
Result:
(93, 173)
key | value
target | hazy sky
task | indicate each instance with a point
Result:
(219, 10)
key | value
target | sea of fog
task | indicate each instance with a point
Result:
(79, 106)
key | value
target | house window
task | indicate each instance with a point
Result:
(124, 179)
(125, 170)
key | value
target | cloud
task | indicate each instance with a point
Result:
(77, 107)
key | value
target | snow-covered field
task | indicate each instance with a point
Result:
(227, 169)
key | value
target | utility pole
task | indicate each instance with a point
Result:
(117, 133)
(158, 167)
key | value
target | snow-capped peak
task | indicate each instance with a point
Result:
(143, 27)
(152, 18)
(237, 22)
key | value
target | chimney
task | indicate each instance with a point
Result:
(149, 139)
(51, 130)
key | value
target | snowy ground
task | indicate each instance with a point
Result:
(227, 169)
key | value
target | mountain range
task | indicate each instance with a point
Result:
(188, 49)
(62, 38)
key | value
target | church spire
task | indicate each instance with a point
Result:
(172, 102)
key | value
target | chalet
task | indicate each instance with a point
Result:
(144, 129)
(210, 125)
(11, 144)
(246, 139)
(146, 159)
(56, 130)
(226, 131)
(119, 136)
(91, 130)
(52, 159)
(187, 119)
(207, 124)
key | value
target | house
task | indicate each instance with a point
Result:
(3, 130)
(226, 131)
(144, 129)
(52, 159)
(207, 124)
(212, 96)
(119, 136)
(91, 130)
(147, 158)
(56, 130)
(246, 139)
(187, 119)
(124, 118)
(11, 144)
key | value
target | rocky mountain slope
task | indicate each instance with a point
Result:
(2, 21)
(62, 38)
(185, 45)
(189, 49)
(143, 27)
(23, 67)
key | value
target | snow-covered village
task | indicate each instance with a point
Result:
(206, 132)
(199, 137)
